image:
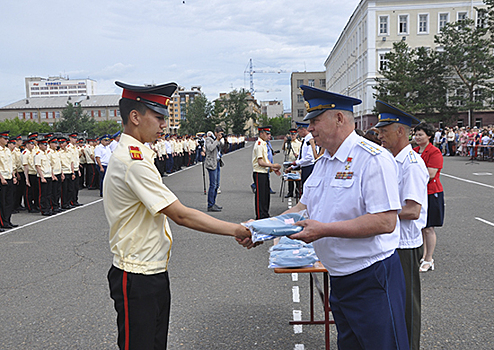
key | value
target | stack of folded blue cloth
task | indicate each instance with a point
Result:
(292, 253)
(277, 226)
(291, 176)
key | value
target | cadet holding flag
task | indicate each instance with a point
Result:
(137, 206)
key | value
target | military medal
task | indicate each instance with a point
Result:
(135, 153)
(348, 163)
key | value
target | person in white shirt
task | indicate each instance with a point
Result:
(102, 154)
(114, 142)
(352, 200)
(394, 127)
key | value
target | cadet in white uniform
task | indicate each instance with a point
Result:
(352, 199)
(394, 128)
(137, 205)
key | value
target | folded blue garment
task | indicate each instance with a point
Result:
(292, 253)
(270, 228)
(292, 176)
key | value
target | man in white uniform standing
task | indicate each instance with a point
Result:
(394, 128)
(352, 200)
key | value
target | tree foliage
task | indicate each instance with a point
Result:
(414, 81)
(196, 116)
(73, 119)
(24, 127)
(467, 52)
(235, 111)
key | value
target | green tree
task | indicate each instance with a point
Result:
(197, 114)
(104, 127)
(280, 125)
(74, 120)
(235, 111)
(467, 52)
(24, 127)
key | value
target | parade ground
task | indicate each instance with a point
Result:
(54, 292)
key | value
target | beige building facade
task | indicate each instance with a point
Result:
(314, 79)
(58, 86)
(358, 55)
(178, 107)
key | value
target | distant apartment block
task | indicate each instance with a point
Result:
(314, 79)
(58, 86)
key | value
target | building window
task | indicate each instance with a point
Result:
(322, 83)
(443, 19)
(57, 114)
(20, 115)
(383, 62)
(300, 82)
(35, 115)
(383, 25)
(300, 98)
(461, 16)
(300, 113)
(311, 83)
(44, 115)
(423, 23)
(481, 18)
(403, 24)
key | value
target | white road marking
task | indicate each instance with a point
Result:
(294, 277)
(299, 347)
(485, 221)
(482, 174)
(49, 217)
(469, 181)
(296, 294)
(297, 316)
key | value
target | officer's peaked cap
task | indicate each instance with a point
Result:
(389, 114)
(156, 98)
(317, 101)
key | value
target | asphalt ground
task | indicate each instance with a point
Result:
(54, 292)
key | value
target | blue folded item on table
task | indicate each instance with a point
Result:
(277, 226)
(292, 176)
(292, 253)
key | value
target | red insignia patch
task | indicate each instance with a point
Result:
(135, 153)
(259, 143)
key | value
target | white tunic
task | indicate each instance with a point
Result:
(361, 178)
(413, 176)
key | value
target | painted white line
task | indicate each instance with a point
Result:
(296, 294)
(49, 217)
(297, 316)
(485, 221)
(469, 181)
(294, 277)
(482, 174)
(299, 347)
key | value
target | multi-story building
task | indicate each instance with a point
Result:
(58, 86)
(314, 79)
(359, 53)
(49, 109)
(272, 109)
(254, 108)
(178, 106)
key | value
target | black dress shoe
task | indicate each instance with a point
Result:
(213, 208)
(15, 211)
(77, 204)
(7, 226)
(67, 207)
(217, 206)
(272, 192)
(48, 213)
(289, 195)
(13, 225)
(34, 211)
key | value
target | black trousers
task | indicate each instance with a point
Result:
(142, 303)
(410, 262)
(56, 192)
(20, 191)
(82, 178)
(32, 193)
(45, 195)
(91, 176)
(66, 195)
(75, 188)
(262, 197)
(6, 202)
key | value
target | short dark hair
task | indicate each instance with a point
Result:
(126, 106)
(425, 127)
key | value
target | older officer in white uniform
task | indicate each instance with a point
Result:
(137, 205)
(352, 199)
(394, 128)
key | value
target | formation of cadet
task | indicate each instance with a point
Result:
(43, 173)
(174, 152)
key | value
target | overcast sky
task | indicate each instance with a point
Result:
(192, 42)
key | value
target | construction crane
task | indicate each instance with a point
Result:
(251, 72)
